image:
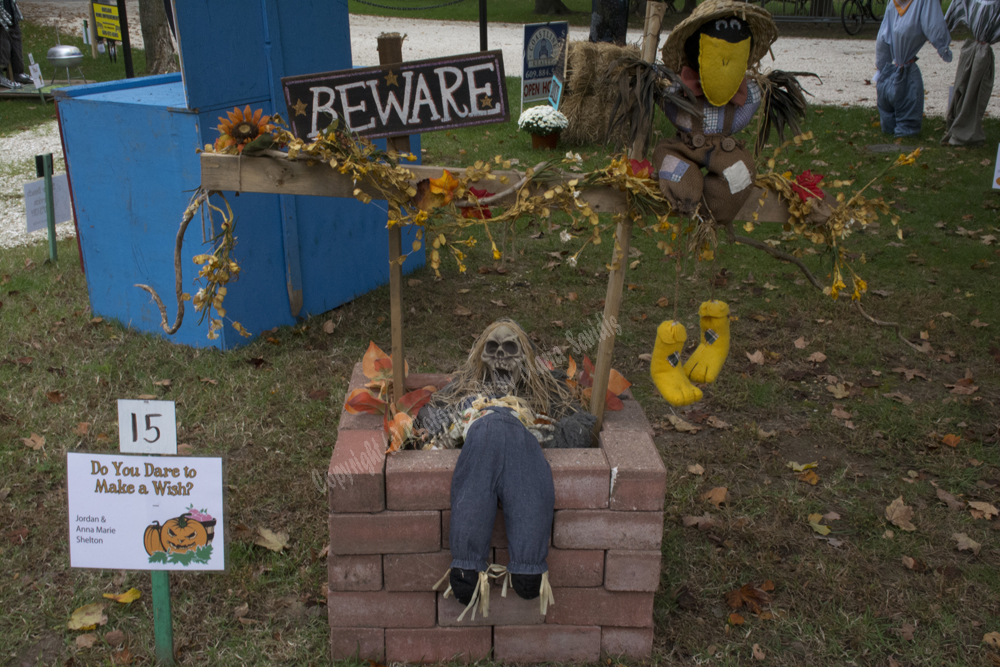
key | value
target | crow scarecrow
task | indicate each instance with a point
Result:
(715, 90)
(976, 69)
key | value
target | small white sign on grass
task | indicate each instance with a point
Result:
(147, 427)
(145, 512)
(34, 202)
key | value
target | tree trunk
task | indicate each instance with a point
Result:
(551, 7)
(156, 36)
(609, 21)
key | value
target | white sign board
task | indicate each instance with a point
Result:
(147, 427)
(996, 171)
(543, 43)
(145, 512)
(35, 70)
(34, 202)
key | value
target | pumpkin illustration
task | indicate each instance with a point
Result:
(183, 534)
(151, 538)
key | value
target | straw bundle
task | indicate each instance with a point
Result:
(589, 96)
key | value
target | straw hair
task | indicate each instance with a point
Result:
(762, 27)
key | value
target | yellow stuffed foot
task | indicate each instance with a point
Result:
(665, 367)
(706, 361)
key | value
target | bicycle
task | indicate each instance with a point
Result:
(854, 12)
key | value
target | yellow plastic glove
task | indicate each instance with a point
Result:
(706, 361)
(668, 375)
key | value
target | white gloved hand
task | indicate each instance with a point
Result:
(875, 77)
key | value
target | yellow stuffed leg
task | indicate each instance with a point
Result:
(665, 368)
(706, 361)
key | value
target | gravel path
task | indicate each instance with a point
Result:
(845, 67)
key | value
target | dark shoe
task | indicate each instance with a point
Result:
(526, 585)
(463, 583)
(23, 78)
(7, 83)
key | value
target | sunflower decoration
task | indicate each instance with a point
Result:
(241, 128)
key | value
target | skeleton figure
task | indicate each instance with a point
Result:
(502, 407)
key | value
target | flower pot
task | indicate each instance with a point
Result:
(548, 141)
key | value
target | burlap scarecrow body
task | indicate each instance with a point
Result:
(976, 69)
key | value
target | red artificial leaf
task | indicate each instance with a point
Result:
(478, 212)
(361, 400)
(411, 402)
(587, 376)
(571, 369)
(368, 363)
(640, 169)
(612, 402)
(806, 185)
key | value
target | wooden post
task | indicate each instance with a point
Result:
(623, 238)
(390, 52)
(93, 30)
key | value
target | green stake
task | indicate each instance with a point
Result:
(43, 166)
(163, 624)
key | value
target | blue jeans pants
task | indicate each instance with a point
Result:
(501, 461)
(900, 99)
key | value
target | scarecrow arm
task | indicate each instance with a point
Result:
(784, 105)
(574, 431)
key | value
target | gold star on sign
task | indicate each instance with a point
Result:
(486, 102)
(300, 108)
(391, 79)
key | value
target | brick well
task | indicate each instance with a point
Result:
(389, 521)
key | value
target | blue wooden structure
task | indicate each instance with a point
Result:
(131, 156)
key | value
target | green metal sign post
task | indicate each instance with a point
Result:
(43, 167)
(163, 622)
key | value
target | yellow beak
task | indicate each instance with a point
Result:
(722, 66)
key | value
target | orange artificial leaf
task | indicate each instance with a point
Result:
(617, 383)
(717, 496)
(400, 428)
(445, 185)
(951, 440)
(368, 363)
(411, 402)
(736, 619)
(362, 400)
(809, 477)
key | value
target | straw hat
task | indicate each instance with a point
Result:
(761, 26)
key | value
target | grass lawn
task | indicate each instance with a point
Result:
(880, 420)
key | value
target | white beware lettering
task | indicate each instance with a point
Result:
(423, 98)
(349, 108)
(448, 92)
(475, 91)
(317, 108)
(392, 102)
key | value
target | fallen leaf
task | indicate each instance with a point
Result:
(981, 510)
(838, 390)
(952, 502)
(696, 469)
(800, 343)
(801, 467)
(241, 611)
(909, 373)
(498, 303)
(131, 595)
(329, 325)
(966, 543)
(756, 358)
(163, 383)
(906, 632)
(558, 323)
(736, 619)
(682, 425)
(900, 397)
(840, 413)
(270, 540)
(208, 381)
(715, 422)
(914, 564)
(146, 397)
(809, 477)
(754, 598)
(758, 653)
(83, 428)
(992, 639)
(979, 325)
(55, 397)
(817, 357)
(814, 521)
(764, 435)
(900, 515)
(87, 617)
(86, 641)
(184, 449)
(951, 440)
(831, 516)
(24, 361)
(703, 522)
(717, 496)
(35, 442)
(462, 311)
(413, 282)
(114, 637)
(663, 302)
(318, 395)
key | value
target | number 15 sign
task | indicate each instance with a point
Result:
(147, 427)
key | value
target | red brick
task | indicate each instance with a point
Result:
(636, 643)
(438, 644)
(632, 571)
(511, 610)
(415, 572)
(546, 643)
(363, 421)
(581, 477)
(596, 606)
(568, 567)
(358, 643)
(385, 532)
(419, 480)
(383, 608)
(355, 479)
(606, 529)
(420, 380)
(499, 532)
(629, 418)
(639, 480)
(354, 573)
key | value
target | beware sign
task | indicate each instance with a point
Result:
(107, 23)
(407, 98)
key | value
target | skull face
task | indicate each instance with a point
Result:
(503, 355)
